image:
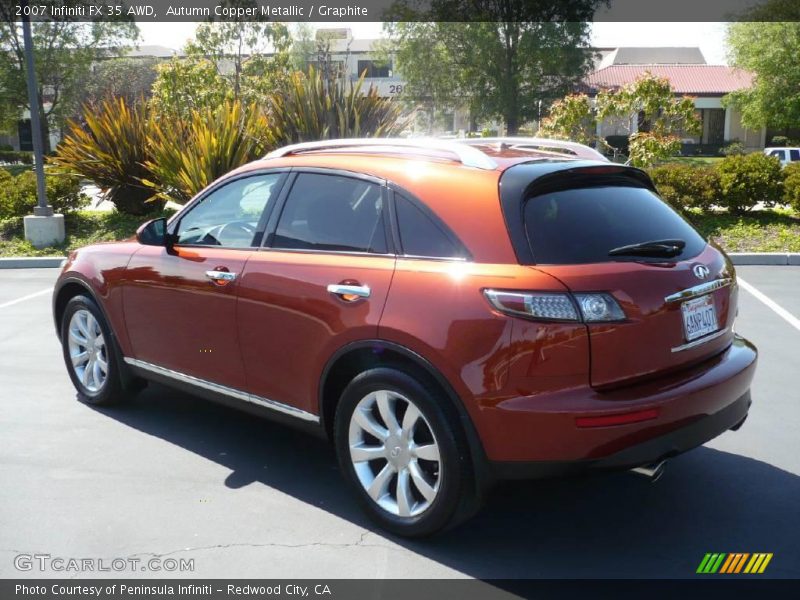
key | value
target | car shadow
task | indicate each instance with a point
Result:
(616, 525)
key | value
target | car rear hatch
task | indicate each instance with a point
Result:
(604, 229)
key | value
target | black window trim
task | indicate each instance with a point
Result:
(174, 222)
(424, 209)
(272, 224)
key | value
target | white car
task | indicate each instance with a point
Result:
(785, 155)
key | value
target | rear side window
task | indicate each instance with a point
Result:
(332, 213)
(420, 234)
(582, 225)
(794, 155)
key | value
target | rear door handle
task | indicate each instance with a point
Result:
(220, 276)
(354, 291)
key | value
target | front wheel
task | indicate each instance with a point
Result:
(401, 449)
(90, 354)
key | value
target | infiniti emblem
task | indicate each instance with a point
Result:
(395, 452)
(700, 271)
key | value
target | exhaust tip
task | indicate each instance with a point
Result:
(653, 471)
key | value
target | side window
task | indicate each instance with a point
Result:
(331, 212)
(420, 235)
(794, 155)
(228, 216)
(778, 153)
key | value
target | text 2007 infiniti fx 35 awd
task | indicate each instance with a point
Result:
(448, 313)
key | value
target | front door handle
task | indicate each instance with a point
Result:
(220, 277)
(349, 292)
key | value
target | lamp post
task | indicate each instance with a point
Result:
(43, 228)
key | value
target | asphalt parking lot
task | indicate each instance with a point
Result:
(172, 476)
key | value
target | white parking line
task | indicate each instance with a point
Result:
(777, 308)
(28, 297)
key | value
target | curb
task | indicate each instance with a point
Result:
(765, 258)
(31, 262)
(738, 258)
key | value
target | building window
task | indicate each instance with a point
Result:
(374, 69)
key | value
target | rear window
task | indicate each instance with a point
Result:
(582, 225)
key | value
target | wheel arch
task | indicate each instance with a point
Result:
(66, 290)
(357, 357)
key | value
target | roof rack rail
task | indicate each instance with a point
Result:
(467, 155)
(580, 150)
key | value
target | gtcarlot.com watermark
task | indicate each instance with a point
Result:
(60, 564)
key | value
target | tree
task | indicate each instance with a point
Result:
(128, 78)
(769, 51)
(572, 118)
(520, 53)
(227, 60)
(64, 52)
(303, 48)
(654, 118)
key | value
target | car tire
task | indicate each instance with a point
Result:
(413, 478)
(87, 344)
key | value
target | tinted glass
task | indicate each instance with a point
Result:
(794, 155)
(419, 234)
(778, 153)
(582, 225)
(327, 212)
(229, 215)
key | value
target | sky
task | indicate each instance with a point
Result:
(709, 37)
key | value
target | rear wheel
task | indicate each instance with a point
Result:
(402, 452)
(90, 353)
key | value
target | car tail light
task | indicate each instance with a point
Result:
(555, 306)
(599, 307)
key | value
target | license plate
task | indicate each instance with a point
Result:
(699, 317)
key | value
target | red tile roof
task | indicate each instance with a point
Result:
(684, 79)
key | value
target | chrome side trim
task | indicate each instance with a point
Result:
(222, 389)
(700, 341)
(699, 290)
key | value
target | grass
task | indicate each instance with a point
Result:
(83, 228)
(696, 160)
(759, 231)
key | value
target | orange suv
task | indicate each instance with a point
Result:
(449, 313)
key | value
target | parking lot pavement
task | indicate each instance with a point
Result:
(172, 476)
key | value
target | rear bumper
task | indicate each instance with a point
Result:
(539, 435)
(651, 451)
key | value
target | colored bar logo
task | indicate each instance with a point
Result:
(735, 562)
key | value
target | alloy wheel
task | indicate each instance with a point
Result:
(88, 351)
(394, 453)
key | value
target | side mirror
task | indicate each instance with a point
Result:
(153, 233)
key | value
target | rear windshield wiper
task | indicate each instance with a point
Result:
(666, 248)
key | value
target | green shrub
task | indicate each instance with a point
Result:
(111, 151)
(210, 143)
(18, 194)
(686, 186)
(313, 108)
(735, 147)
(791, 185)
(11, 156)
(747, 180)
(780, 140)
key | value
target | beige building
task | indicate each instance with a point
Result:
(689, 75)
